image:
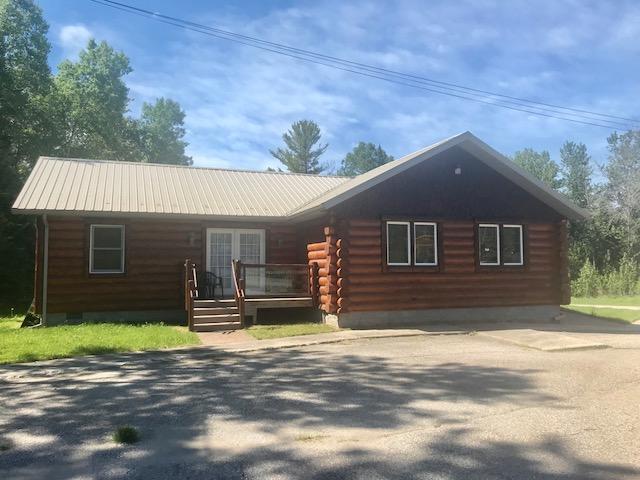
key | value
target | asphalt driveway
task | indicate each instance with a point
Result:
(441, 407)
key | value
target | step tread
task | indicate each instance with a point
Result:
(217, 326)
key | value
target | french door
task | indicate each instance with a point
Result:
(246, 245)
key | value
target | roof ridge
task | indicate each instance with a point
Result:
(196, 167)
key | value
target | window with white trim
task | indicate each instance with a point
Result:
(425, 243)
(500, 244)
(512, 245)
(489, 244)
(106, 249)
(398, 243)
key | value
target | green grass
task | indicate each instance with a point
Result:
(620, 315)
(126, 434)
(633, 300)
(31, 344)
(264, 332)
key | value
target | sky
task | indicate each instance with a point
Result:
(239, 100)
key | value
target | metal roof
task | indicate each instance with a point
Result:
(62, 185)
(96, 187)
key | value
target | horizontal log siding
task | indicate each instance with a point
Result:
(154, 262)
(457, 282)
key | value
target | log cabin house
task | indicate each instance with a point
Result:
(455, 231)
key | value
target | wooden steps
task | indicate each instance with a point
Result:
(215, 315)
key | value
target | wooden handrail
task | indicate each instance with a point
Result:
(238, 289)
(190, 290)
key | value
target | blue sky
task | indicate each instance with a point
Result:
(238, 100)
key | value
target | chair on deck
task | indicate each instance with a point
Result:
(207, 283)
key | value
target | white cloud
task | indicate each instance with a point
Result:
(74, 38)
(239, 100)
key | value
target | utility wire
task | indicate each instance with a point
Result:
(414, 81)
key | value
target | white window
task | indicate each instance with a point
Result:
(512, 245)
(106, 249)
(425, 243)
(489, 244)
(398, 243)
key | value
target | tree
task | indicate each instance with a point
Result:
(299, 156)
(575, 166)
(24, 83)
(540, 165)
(162, 131)
(623, 185)
(364, 157)
(94, 99)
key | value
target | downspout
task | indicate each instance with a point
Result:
(45, 269)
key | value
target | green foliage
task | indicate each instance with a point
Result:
(93, 98)
(24, 84)
(540, 165)
(126, 434)
(588, 282)
(623, 280)
(364, 157)
(300, 156)
(575, 166)
(162, 129)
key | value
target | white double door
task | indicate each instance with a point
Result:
(246, 245)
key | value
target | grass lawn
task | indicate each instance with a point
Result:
(31, 344)
(633, 300)
(620, 315)
(264, 332)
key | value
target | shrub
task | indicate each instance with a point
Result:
(588, 282)
(126, 434)
(625, 280)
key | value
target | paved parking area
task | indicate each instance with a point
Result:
(433, 407)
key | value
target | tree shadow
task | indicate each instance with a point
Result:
(175, 397)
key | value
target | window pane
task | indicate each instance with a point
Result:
(398, 240)
(107, 260)
(425, 239)
(488, 242)
(511, 248)
(107, 237)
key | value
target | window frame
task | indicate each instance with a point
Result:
(520, 228)
(435, 245)
(92, 249)
(498, 246)
(408, 226)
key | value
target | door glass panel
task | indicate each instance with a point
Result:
(220, 256)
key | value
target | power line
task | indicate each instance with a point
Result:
(414, 81)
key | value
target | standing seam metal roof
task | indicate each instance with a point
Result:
(78, 185)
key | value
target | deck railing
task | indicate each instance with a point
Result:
(276, 279)
(238, 289)
(190, 290)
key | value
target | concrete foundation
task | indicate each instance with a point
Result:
(125, 316)
(401, 318)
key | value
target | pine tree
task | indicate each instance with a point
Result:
(300, 156)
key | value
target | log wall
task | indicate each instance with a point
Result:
(155, 251)
(366, 285)
(324, 256)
